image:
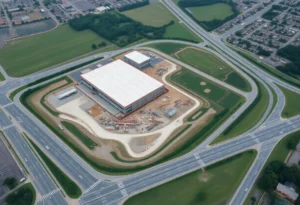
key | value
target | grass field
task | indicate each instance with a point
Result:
(2, 78)
(25, 195)
(157, 15)
(208, 13)
(87, 141)
(218, 95)
(252, 116)
(167, 48)
(34, 53)
(214, 186)
(292, 105)
(212, 65)
(69, 186)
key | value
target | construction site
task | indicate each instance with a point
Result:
(153, 115)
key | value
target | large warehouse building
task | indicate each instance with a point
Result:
(123, 86)
(137, 59)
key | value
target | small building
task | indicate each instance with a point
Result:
(287, 192)
(67, 93)
(137, 59)
(170, 112)
(102, 9)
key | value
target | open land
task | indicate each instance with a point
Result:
(212, 65)
(2, 78)
(168, 48)
(157, 15)
(291, 107)
(32, 54)
(208, 13)
(213, 185)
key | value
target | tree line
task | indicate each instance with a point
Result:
(291, 53)
(134, 6)
(118, 28)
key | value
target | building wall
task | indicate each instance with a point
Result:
(134, 105)
(139, 66)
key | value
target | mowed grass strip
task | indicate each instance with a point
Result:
(250, 118)
(212, 65)
(69, 186)
(158, 15)
(219, 11)
(215, 185)
(292, 103)
(2, 78)
(34, 53)
(86, 140)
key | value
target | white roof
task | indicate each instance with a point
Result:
(137, 57)
(286, 190)
(122, 82)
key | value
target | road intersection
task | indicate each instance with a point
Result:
(96, 190)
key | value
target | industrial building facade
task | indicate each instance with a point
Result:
(137, 60)
(123, 86)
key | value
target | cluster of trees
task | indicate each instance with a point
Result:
(276, 172)
(10, 182)
(25, 195)
(279, 7)
(100, 45)
(134, 6)
(118, 28)
(209, 25)
(292, 143)
(263, 52)
(291, 53)
(270, 15)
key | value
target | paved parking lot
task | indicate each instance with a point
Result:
(8, 167)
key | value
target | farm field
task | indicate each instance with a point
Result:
(215, 185)
(157, 15)
(291, 107)
(34, 53)
(212, 65)
(218, 11)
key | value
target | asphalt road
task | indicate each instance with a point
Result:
(40, 177)
(95, 190)
(170, 170)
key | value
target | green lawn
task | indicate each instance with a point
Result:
(86, 140)
(249, 118)
(167, 48)
(218, 94)
(212, 65)
(292, 105)
(2, 78)
(153, 15)
(214, 186)
(157, 15)
(69, 186)
(34, 53)
(25, 195)
(218, 11)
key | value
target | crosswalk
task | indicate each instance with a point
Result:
(91, 187)
(49, 194)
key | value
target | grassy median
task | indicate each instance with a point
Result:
(69, 186)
